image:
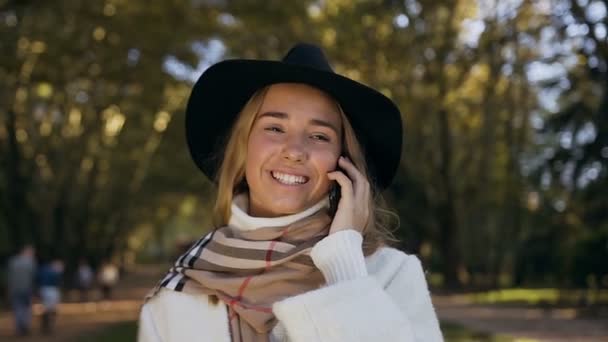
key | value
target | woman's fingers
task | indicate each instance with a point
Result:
(353, 208)
(350, 169)
(346, 185)
(361, 185)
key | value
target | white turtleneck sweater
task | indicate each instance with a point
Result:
(383, 297)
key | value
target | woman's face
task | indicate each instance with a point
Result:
(294, 142)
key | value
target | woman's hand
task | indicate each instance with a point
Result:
(353, 208)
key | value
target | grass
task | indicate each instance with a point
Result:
(119, 332)
(127, 331)
(547, 296)
(457, 333)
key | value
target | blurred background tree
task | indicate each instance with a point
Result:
(504, 106)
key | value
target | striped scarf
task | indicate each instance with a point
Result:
(249, 270)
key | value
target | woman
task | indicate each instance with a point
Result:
(299, 154)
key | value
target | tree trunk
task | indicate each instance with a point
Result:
(448, 223)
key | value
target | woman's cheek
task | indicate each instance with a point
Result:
(330, 161)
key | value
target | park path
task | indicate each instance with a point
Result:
(524, 323)
(75, 320)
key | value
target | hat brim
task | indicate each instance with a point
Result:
(223, 89)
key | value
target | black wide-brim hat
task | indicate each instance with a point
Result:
(224, 88)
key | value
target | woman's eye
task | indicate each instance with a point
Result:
(274, 129)
(320, 137)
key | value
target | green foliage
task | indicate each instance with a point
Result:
(92, 144)
(89, 106)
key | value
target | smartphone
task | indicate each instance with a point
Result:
(335, 194)
(334, 198)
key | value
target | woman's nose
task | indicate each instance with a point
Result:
(295, 150)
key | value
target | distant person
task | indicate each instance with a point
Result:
(49, 281)
(21, 275)
(107, 277)
(84, 279)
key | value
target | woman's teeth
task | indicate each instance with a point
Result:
(288, 179)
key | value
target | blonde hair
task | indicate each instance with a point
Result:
(231, 175)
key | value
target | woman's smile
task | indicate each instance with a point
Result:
(288, 179)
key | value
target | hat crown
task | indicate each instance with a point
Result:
(308, 55)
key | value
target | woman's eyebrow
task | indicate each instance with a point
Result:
(315, 122)
(278, 115)
(323, 123)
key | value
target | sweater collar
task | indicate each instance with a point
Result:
(240, 219)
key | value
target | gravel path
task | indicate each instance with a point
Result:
(559, 325)
(524, 324)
